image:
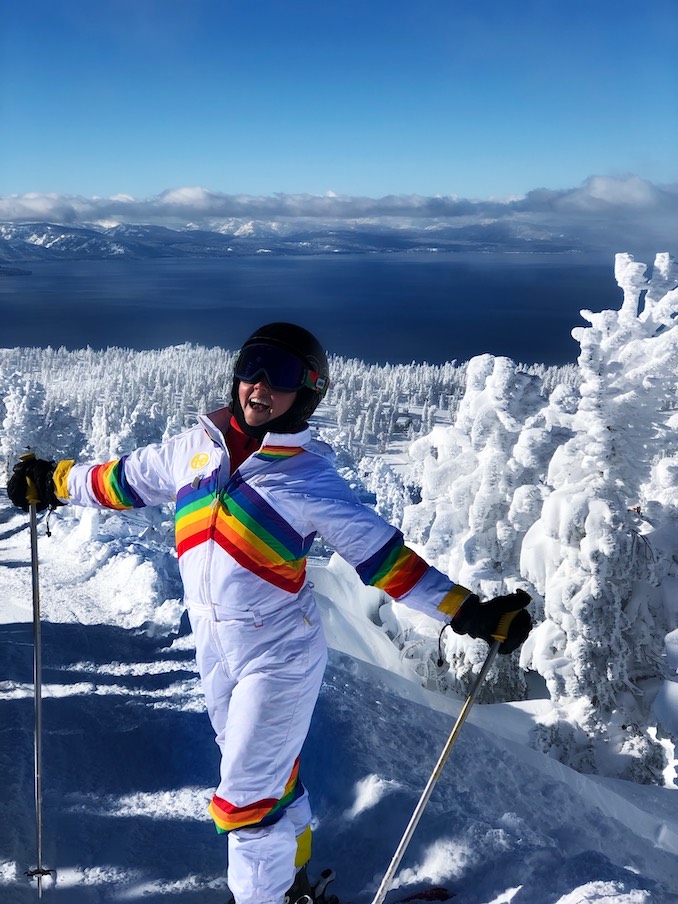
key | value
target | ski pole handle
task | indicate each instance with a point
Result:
(32, 495)
(503, 627)
(501, 632)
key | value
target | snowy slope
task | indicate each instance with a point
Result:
(130, 764)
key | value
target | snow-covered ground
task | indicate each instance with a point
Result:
(129, 763)
(564, 482)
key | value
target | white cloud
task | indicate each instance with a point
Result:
(601, 202)
(629, 192)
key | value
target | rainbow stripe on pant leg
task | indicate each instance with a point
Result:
(265, 812)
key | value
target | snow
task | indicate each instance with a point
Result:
(129, 763)
(561, 785)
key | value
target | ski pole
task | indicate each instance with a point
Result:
(39, 872)
(383, 889)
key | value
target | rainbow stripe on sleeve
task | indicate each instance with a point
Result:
(110, 486)
(261, 813)
(394, 568)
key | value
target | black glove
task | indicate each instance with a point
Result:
(39, 474)
(503, 618)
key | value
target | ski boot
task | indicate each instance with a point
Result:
(303, 892)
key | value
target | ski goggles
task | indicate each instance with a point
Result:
(281, 369)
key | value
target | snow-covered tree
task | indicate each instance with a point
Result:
(480, 488)
(591, 553)
(23, 425)
(391, 494)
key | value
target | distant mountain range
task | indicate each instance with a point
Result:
(28, 242)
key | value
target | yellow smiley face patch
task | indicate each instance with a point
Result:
(199, 460)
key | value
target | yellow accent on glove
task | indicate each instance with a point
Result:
(451, 602)
(60, 478)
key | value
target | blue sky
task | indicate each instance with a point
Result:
(362, 98)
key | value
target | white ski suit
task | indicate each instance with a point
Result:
(242, 541)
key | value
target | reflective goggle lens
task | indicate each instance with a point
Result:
(281, 369)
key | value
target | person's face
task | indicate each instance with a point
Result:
(261, 404)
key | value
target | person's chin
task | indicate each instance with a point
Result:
(257, 420)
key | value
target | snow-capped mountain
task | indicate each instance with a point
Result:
(42, 241)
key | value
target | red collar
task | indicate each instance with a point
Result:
(240, 445)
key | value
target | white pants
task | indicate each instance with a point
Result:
(261, 677)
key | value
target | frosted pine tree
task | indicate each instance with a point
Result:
(23, 424)
(591, 552)
(392, 496)
(63, 436)
(102, 443)
(480, 492)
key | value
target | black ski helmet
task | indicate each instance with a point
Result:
(303, 345)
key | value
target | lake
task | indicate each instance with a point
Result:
(392, 307)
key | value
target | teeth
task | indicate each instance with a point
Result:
(255, 403)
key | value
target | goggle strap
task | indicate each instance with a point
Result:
(317, 382)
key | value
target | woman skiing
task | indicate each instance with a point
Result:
(252, 488)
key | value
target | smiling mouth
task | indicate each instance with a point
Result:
(258, 406)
